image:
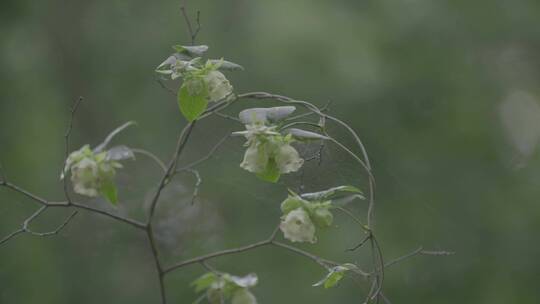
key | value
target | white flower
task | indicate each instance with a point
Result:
(243, 296)
(287, 159)
(255, 159)
(84, 177)
(298, 227)
(218, 86)
(90, 172)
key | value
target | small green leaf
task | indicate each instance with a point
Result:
(109, 191)
(271, 172)
(334, 276)
(291, 203)
(333, 279)
(204, 281)
(225, 65)
(192, 98)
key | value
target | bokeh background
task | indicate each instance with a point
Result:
(443, 93)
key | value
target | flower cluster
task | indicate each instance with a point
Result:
(93, 170)
(301, 218)
(269, 153)
(224, 287)
(202, 81)
(93, 173)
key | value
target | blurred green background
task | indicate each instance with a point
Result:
(444, 94)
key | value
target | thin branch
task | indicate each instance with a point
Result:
(229, 117)
(46, 203)
(25, 193)
(362, 242)
(217, 254)
(198, 182)
(67, 146)
(419, 251)
(152, 156)
(165, 87)
(120, 218)
(323, 262)
(191, 32)
(182, 141)
(207, 156)
(55, 231)
(12, 235)
(26, 229)
(159, 268)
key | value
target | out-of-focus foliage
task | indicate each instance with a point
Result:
(444, 93)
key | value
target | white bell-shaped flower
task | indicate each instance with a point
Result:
(84, 176)
(298, 227)
(287, 159)
(218, 86)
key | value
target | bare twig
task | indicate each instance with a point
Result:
(67, 147)
(198, 182)
(217, 254)
(419, 251)
(207, 156)
(191, 32)
(11, 235)
(165, 87)
(152, 156)
(26, 229)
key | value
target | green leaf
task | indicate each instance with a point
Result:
(192, 98)
(321, 195)
(291, 203)
(109, 191)
(333, 279)
(271, 172)
(334, 276)
(225, 65)
(204, 281)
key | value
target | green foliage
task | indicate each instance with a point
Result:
(93, 171)
(202, 83)
(335, 275)
(193, 98)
